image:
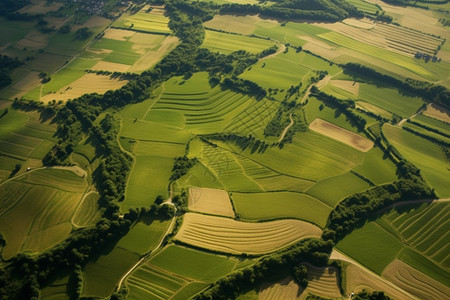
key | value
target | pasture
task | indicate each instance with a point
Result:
(335, 132)
(424, 154)
(193, 264)
(37, 208)
(266, 206)
(153, 164)
(230, 236)
(227, 43)
(210, 201)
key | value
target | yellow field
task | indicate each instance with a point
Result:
(438, 112)
(238, 24)
(285, 289)
(118, 34)
(347, 85)
(323, 282)
(319, 47)
(89, 83)
(373, 108)
(210, 201)
(359, 279)
(341, 134)
(415, 282)
(231, 236)
(150, 58)
(361, 23)
(110, 66)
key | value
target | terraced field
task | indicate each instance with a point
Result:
(230, 236)
(36, 209)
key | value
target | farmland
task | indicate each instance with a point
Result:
(229, 236)
(233, 149)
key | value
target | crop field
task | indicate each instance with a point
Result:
(211, 201)
(423, 153)
(374, 109)
(364, 6)
(266, 206)
(287, 69)
(333, 189)
(323, 282)
(152, 21)
(154, 163)
(44, 205)
(434, 135)
(284, 289)
(437, 112)
(87, 213)
(56, 290)
(227, 43)
(426, 229)
(101, 276)
(230, 236)
(382, 97)
(335, 132)
(193, 264)
(433, 123)
(377, 168)
(142, 237)
(415, 282)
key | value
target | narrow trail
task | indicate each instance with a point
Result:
(400, 124)
(156, 100)
(286, 129)
(319, 84)
(282, 48)
(335, 254)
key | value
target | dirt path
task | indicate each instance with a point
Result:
(400, 124)
(335, 254)
(319, 84)
(156, 100)
(286, 129)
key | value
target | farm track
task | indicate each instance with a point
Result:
(286, 129)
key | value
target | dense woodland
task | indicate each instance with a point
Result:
(24, 275)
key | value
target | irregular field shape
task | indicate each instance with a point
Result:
(230, 236)
(415, 282)
(227, 43)
(438, 112)
(284, 289)
(211, 201)
(323, 282)
(340, 134)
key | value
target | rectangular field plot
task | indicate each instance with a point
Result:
(211, 201)
(227, 43)
(332, 131)
(148, 19)
(193, 264)
(266, 206)
(230, 236)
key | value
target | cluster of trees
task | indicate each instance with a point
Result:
(345, 106)
(9, 6)
(244, 86)
(83, 33)
(366, 295)
(243, 142)
(428, 91)
(355, 210)
(181, 166)
(269, 269)
(7, 63)
(428, 128)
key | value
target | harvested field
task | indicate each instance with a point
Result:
(110, 66)
(118, 34)
(211, 201)
(415, 282)
(319, 47)
(438, 112)
(335, 132)
(152, 57)
(360, 23)
(284, 289)
(373, 108)
(359, 279)
(230, 236)
(89, 83)
(323, 282)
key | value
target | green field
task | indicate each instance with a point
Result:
(377, 168)
(153, 21)
(227, 43)
(432, 123)
(364, 6)
(266, 206)
(36, 209)
(193, 264)
(87, 213)
(424, 154)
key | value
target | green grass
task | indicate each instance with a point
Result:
(439, 137)
(142, 237)
(142, 21)
(433, 123)
(266, 206)
(87, 213)
(193, 264)
(377, 168)
(101, 276)
(154, 163)
(364, 6)
(371, 246)
(189, 290)
(227, 43)
(390, 99)
(36, 209)
(332, 190)
(13, 31)
(424, 154)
